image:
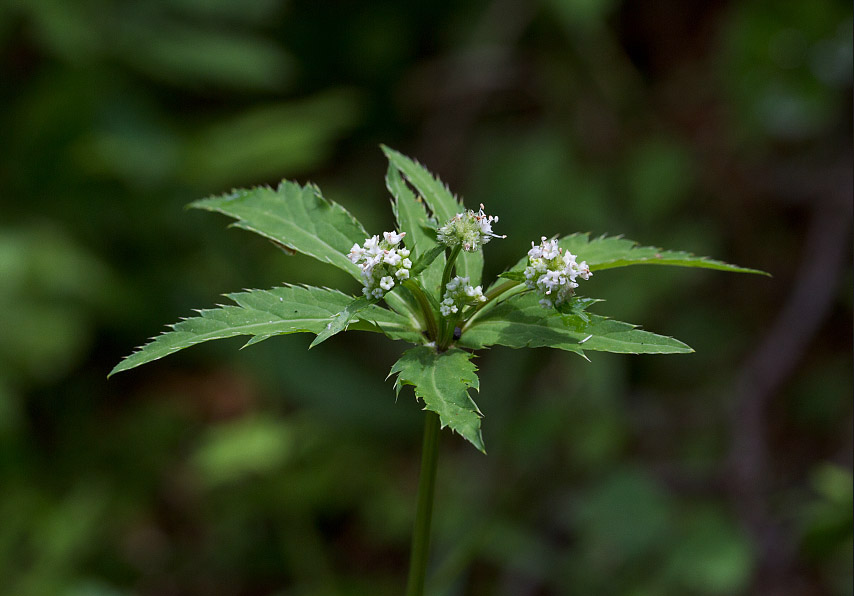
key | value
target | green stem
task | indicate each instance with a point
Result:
(449, 267)
(429, 318)
(500, 289)
(446, 331)
(491, 295)
(424, 510)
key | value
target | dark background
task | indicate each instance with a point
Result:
(723, 128)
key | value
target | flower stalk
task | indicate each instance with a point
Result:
(426, 310)
(424, 508)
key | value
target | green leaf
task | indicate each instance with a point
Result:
(443, 382)
(295, 216)
(426, 260)
(577, 307)
(269, 141)
(411, 216)
(512, 275)
(262, 314)
(609, 252)
(442, 203)
(520, 322)
(341, 320)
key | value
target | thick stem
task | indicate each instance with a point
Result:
(424, 509)
(424, 302)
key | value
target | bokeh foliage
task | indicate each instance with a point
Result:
(721, 127)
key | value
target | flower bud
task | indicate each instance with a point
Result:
(470, 230)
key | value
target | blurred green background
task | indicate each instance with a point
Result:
(723, 128)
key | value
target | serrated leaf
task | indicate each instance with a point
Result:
(577, 306)
(442, 203)
(262, 314)
(297, 217)
(410, 212)
(411, 216)
(520, 322)
(443, 381)
(341, 320)
(609, 252)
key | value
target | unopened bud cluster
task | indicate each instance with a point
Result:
(471, 230)
(459, 293)
(381, 262)
(552, 271)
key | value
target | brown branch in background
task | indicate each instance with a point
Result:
(809, 303)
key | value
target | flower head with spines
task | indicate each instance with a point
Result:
(459, 293)
(552, 272)
(470, 230)
(381, 262)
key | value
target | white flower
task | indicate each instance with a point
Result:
(380, 262)
(470, 230)
(393, 238)
(372, 244)
(553, 272)
(459, 293)
(392, 257)
(356, 253)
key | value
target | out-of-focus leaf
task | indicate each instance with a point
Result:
(520, 322)
(48, 284)
(188, 55)
(256, 11)
(295, 216)
(262, 314)
(10, 410)
(270, 141)
(627, 513)
(784, 66)
(64, 27)
(585, 13)
(711, 555)
(442, 203)
(659, 175)
(61, 536)
(443, 382)
(247, 446)
(828, 519)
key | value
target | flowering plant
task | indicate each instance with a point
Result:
(428, 273)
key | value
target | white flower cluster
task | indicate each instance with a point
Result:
(553, 271)
(470, 229)
(458, 293)
(381, 262)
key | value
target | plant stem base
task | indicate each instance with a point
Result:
(424, 508)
